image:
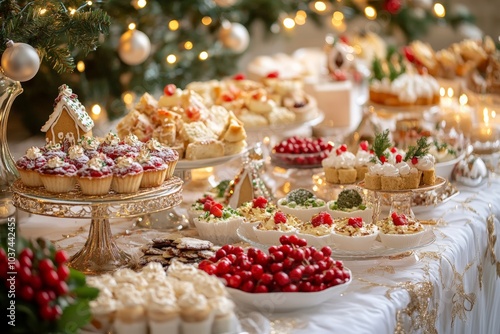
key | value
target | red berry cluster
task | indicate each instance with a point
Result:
(321, 218)
(341, 149)
(399, 220)
(39, 280)
(259, 202)
(279, 217)
(309, 151)
(364, 145)
(355, 222)
(290, 267)
(209, 204)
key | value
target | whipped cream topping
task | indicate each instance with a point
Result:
(221, 305)
(193, 302)
(183, 272)
(154, 145)
(33, 153)
(124, 162)
(75, 152)
(343, 160)
(106, 280)
(111, 139)
(129, 297)
(181, 287)
(51, 146)
(376, 169)
(403, 168)
(389, 170)
(103, 304)
(144, 156)
(153, 267)
(89, 143)
(210, 286)
(408, 87)
(391, 156)
(161, 297)
(129, 276)
(363, 158)
(55, 162)
(96, 163)
(132, 140)
(425, 162)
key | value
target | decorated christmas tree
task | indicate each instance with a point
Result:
(156, 42)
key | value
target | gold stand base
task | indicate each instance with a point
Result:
(100, 253)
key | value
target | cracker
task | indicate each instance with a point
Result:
(206, 254)
(193, 244)
(153, 251)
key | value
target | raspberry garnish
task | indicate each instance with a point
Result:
(383, 159)
(414, 160)
(399, 158)
(279, 218)
(363, 145)
(355, 222)
(321, 218)
(259, 202)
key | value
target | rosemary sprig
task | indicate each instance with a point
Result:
(381, 144)
(421, 149)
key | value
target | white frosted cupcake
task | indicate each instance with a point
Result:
(224, 317)
(95, 177)
(397, 231)
(318, 231)
(364, 159)
(302, 204)
(127, 175)
(130, 314)
(269, 231)
(353, 234)
(218, 224)
(58, 176)
(162, 310)
(103, 310)
(28, 167)
(339, 167)
(196, 314)
(350, 204)
(155, 169)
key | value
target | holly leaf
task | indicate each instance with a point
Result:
(86, 292)
(74, 317)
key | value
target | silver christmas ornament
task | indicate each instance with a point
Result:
(20, 61)
(234, 36)
(134, 47)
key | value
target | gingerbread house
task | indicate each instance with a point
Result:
(69, 121)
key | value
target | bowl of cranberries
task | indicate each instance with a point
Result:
(289, 277)
(300, 152)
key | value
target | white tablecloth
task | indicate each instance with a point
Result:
(451, 286)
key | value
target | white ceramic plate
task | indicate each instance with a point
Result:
(194, 164)
(445, 169)
(275, 302)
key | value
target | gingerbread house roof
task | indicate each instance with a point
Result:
(69, 101)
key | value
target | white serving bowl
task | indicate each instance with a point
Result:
(445, 169)
(274, 302)
(361, 243)
(219, 233)
(366, 214)
(247, 227)
(316, 241)
(270, 237)
(401, 240)
(301, 213)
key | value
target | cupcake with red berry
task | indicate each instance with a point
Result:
(420, 158)
(364, 159)
(318, 231)
(170, 156)
(154, 168)
(53, 150)
(127, 175)
(95, 177)
(218, 223)
(76, 156)
(90, 145)
(58, 176)
(114, 148)
(381, 144)
(134, 142)
(354, 234)
(399, 231)
(302, 204)
(339, 167)
(109, 162)
(269, 231)
(255, 211)
(28, 167)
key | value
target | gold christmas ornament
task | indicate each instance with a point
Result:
(134, 47)
(20, 61)
(234, 36)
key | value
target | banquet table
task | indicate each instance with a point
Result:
(449, 286)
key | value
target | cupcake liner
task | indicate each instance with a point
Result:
(354, 243)
(224, 324)
(221, 233)
(197, 327)
(171, 169)
(58, 183)
(95, 185)
(126, 184)
(170, 326)
(270, 237)
(401, 240)
(30, 178)
(366, 214)
(138, 327)
(301, 213)
(153, 178)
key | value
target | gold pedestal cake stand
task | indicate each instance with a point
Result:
(100, 253)
(400, 200)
